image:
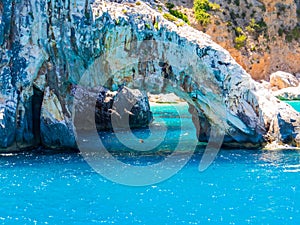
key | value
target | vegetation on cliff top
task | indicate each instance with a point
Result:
(201, 8)
(175, 13)
(262, 32)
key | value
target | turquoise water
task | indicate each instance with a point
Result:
(295, 104)
(240, 187)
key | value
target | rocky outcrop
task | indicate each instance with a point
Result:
(129, 108)
(280, 80)
(57, 130)
(50, 47)
(125, 105)
(169, 98)
(291, 93)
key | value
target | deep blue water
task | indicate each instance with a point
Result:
(240, 187)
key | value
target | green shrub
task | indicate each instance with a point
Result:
(253, 48)
(296, 32)
(205, 5)
(233, 16)
(263, 7)
(240, 41)
(250, 29)
(148, 26)
(293, 34)
(156, 26)
(179, 15)
(170, 17)
(138, 3)
(289, 38)
(229, 24)
(202, 17)
(159, 8)
(253, 23)
(200, 9)
(170, 5)
(238, 31)
(280, 32)
(261, 26)
(180, 24)
(256, 26)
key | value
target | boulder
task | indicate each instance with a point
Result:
(280, 80)
(126, 106)
(129, 108)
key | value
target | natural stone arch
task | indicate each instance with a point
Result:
(224, 95)
(252, 113)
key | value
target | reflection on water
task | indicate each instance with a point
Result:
(278, 159)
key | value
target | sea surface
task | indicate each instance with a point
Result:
(295, 104)
(240, 187)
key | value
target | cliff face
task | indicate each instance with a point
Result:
(272, 39)
(49, 48)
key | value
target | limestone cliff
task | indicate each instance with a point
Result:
(48, 47)
(271, 28)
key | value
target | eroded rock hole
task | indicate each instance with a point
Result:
(37, 100)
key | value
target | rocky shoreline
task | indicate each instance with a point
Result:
(62, 46)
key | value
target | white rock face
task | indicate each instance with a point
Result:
(127, 44)
(282, 80)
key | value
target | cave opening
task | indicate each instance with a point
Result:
(37, 99)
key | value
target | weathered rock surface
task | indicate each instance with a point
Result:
(280, 80)
(53, 46)
(57, 130)
(169, 98)
(130, 106)
(290, 93)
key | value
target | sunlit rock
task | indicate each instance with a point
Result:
(57, 45)
(282, 80)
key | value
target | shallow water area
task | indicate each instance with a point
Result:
(295, 104)
(240, 187)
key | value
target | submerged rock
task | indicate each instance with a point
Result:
(58, 45)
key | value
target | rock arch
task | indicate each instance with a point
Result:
(129, 41)
(188, 63)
